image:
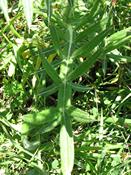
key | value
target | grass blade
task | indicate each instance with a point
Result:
(28, 11)
(120, 121)
(4, 7)
(49, 10)
(121, 58)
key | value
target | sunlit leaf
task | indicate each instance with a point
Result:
(28, 11)
(118, 39)
(66, 146)
(121, 58)
(80, 115)
(11, 70)
(43, 121)
(4, 7)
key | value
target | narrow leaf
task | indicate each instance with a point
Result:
(28, 11)
(120, 121)
(96, 26)
(49, 90)
(84, 67)
(89, 18)
(4, 7)
(80, 115)
(89, 46)
(66, 136)
(95, 8)
(117, 44)
(119, 35)
(56, 33)
(121, 58)
(118, 39)
(80, 88)
(66, 146)
(49, 10)
(50, 70)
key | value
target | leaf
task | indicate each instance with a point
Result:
(49, 90)
(80, 88)
(119, 35)
(49, 126)
(64, 96)
(43, 121)
(85, 50)
(4, 7)
(89, 46)
(96, 26)
(51, 57)
(28, 11)
(80, 115)
(120, 121)
(89, 18)
(50, 70)
(49, 10)
(118, 39)
(121, 58)
(11, 70)
(82, 68)
(66, 136)
(71, 2)
(66, 146)
(55, 34)
(95, 9)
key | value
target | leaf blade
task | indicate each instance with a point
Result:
(28, 11)
(43, 121)
(66, 136)
(80, 115)
(4, 7)
(89, 46)
(66, 146)
(50, 70)
(118, 39)
(82, 68)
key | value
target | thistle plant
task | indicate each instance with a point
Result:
(89, 36)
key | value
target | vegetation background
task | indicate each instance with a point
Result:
(83, 47)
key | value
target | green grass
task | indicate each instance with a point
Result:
(64, 87)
